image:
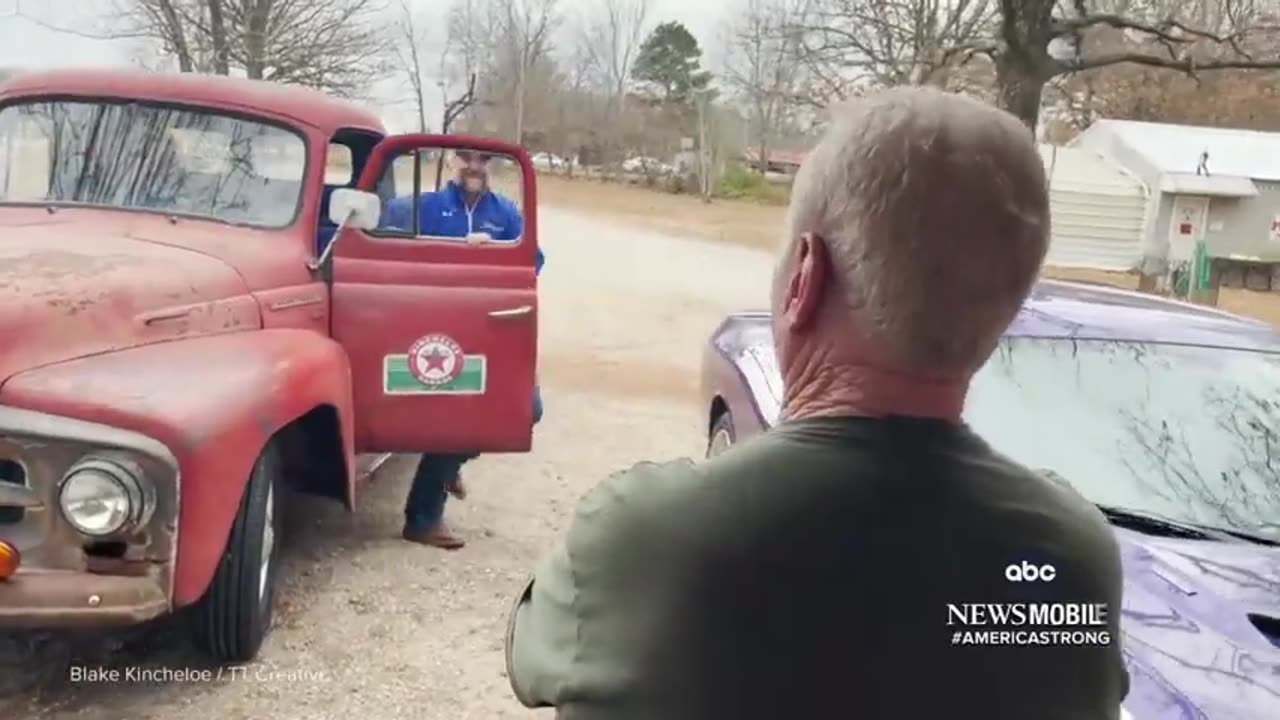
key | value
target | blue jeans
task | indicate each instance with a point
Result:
(428, 493)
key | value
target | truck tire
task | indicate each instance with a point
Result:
(234, 616)
(721, 437)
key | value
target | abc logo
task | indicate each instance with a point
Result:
(1029, 572)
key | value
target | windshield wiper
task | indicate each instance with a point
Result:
(1154, 523)
(1255, 537)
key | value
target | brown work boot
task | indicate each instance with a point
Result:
(438, 536)
(456, 488)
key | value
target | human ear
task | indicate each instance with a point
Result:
(808, 281)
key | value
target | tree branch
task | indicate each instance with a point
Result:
(1189, 66)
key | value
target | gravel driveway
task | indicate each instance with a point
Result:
(371, 627)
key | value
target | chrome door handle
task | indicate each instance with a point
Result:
(511, 313)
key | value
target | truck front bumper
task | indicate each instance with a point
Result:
(39, 598)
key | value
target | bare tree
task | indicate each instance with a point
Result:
(764, 64)
(1246, 98)
(857, 43)
(575, 106)
(411, 52)
(850, 43)
(469, 39)
(529, 24)
(1041, 40)
(611, 36)
(336, 45)
(502, 41)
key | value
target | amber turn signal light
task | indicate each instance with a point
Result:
(10, 558)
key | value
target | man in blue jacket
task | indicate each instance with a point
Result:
(466, 208)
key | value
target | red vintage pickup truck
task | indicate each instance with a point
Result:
(181, 342)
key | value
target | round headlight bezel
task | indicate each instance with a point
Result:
(125, 475)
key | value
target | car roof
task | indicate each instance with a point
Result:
(1069, 310)
(1076, 310)
(302, 106)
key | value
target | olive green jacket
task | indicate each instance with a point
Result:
(807, 573)
(566, 641)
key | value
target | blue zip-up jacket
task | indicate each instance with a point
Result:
(445, 214)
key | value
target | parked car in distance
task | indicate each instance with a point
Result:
(646, 166)
(1166, 416)
(198, 314)
(549, 161)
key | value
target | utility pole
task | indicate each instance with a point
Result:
(704, 163)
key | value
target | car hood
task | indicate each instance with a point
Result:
(1201, 619)
(69, 290)
(1201, 626)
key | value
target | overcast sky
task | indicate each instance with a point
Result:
(27, 44)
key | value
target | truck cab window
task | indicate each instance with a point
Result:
(344, 160)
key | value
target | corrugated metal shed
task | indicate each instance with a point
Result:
(1099, 211)
(1178, 148)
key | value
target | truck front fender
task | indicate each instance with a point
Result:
(214, 401)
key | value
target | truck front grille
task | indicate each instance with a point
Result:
(12, 472)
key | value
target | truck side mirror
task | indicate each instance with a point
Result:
(349, 207)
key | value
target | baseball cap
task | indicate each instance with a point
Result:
(470, 155)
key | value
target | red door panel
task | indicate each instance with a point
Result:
(442, 336)
(381, 309)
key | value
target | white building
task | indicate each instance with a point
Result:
(1211, 185)
(1100, 212)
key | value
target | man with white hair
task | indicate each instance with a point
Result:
(810, 572)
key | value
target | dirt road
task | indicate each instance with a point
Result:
(371, 627)
(752, 225)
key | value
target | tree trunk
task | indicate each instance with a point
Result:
(412, 37)
(762, 129)
(177, 37)
(218, 37)
(255, 41)
(1019, 90)
(1024, 65)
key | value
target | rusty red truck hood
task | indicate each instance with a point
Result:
(70, 289)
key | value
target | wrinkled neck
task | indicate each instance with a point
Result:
(840, 390)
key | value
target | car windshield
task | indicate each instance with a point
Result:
(171, 160)
(1187, 433)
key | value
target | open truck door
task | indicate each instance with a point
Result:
(435, 300)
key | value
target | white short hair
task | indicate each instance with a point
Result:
(936, 210)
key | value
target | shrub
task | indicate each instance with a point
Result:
(682, 184)
(741, 183)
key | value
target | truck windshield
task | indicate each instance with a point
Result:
(148, 157)
(1188, 433)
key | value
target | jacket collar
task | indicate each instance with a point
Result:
(459, 196)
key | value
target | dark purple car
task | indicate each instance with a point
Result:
(1167, 416)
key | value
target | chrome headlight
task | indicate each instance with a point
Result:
(104, 496)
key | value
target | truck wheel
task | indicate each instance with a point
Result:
(234, 616)
(721, 437)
